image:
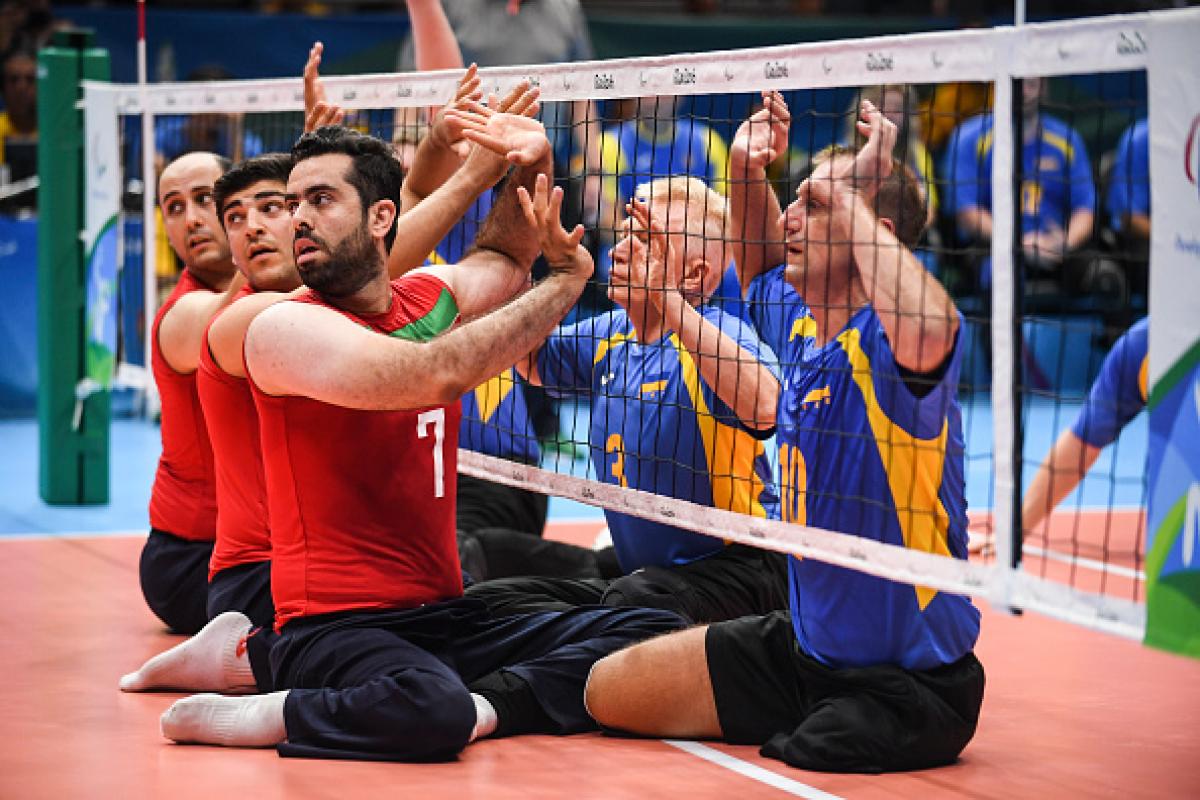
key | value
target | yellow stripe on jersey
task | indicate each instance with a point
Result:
(604, 345)
(729, 451)
(1144, 378)
(793, 485)
(718, 160)
(651, 388)
(804, 326)
(492, 392)
(1060, 143)
(913, 466)
(435, 258)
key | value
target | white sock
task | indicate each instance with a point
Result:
(212, 660)
(254, 721)
(485, 717)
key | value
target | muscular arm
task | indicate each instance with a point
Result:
(228, 330)
(181, 332)
(311, 351)
(434, 44)
(917, 313)
(754, 214)
(737, 377)
(1068, 461)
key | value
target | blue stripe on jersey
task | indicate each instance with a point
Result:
(1119, 392)
(656, 426)
(859, 453)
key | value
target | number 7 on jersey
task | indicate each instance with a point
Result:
(437, 417)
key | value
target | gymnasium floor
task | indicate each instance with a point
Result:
(1068, 712)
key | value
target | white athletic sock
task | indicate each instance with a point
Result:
(212, 660)
(254, 721)
(485, 717)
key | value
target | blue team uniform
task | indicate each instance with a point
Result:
(657, 426)
(693, 149)
(1119, 392)
(1058, 175)
(861, 454)
(1129, 183)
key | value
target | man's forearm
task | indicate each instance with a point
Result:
(468, 356)
(754, 212)
(419, 230)
(433, 164)
(506, 230)
(1079, 229)
(739, 379)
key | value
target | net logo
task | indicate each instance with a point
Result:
(880, 62)
(774, 70)
(683, 76)
(602, 81)
(1133, 45)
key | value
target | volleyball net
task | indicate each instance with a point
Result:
(1029, 208)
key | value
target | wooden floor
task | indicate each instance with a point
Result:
(1068, 713)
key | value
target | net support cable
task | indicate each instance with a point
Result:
(1109, 44)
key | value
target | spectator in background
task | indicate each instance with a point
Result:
(1129, 202)
(1057, 199)
(18, 121)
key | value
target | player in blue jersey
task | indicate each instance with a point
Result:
(1119, 393)
(681, 404)
(864, 674)
(1057, 197)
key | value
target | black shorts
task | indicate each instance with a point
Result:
(174, 577)
(868, 719)
(245, 588)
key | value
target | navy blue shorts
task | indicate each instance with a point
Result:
(245, 588)
(174, 577)
(396, 685)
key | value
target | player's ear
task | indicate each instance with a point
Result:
(696, 270)
(887, 223)
(380, 217)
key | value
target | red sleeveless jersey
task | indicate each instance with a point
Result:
(183, 501)
(243, 536)
(362, 502)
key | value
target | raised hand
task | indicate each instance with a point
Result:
(317, 110)
(663, 264)
(519, 139)
(874, 161)
(764, 135)
(444, 128)
(563, 251)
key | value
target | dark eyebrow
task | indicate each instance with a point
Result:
(169, 195)
(320, 187)
(268, 193)
(229, 205)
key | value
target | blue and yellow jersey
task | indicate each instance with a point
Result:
(495, 420)
(1129, 183)
(860, 453)
(1058, 174)
(692, 148)
(658, 427)
(1120, 391)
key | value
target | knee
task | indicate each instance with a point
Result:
(603, 688)
(447, 716)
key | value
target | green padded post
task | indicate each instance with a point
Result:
(73, 442)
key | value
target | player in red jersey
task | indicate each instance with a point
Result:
(183, 510)
(251, 200)
(357, 387)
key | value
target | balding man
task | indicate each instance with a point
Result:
(183, 507)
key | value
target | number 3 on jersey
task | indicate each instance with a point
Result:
(437, 417)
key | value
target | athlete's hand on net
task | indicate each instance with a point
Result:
(445, 129)
(874, 161)
(564, 253)
(318, 111)
(764, 135)
(663, 264)
(518, 139)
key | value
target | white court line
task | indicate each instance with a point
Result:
(26, 536)
(751, 770)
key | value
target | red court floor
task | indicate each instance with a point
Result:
(1068, 713)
